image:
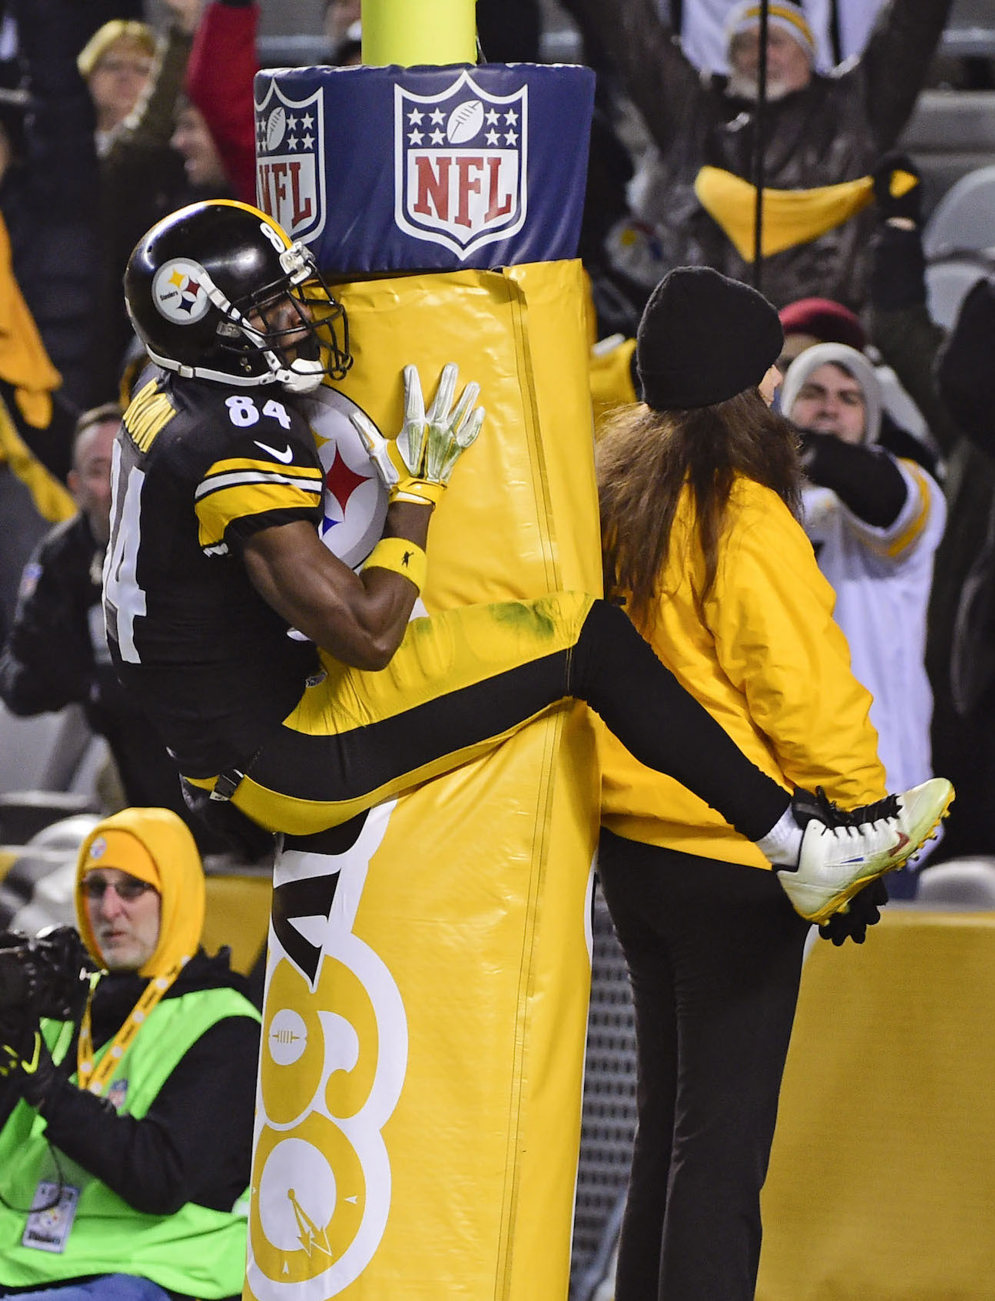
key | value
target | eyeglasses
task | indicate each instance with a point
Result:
(95, 887)
(115, 64)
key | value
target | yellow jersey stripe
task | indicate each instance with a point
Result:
(234, 464)
(221, 508)
(150, 411)
(913, 530)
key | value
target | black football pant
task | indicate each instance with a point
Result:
(466, 679)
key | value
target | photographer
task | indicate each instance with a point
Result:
(127, 1129)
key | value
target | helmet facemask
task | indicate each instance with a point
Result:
(292, 325)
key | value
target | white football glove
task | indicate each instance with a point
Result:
(417, 464)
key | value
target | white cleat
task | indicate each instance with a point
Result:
(842, 851)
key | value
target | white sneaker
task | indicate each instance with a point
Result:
(844, 850)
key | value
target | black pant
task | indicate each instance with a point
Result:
(714, 952)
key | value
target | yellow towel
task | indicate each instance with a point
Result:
(24, 363)
(790, 217)
(51, 499)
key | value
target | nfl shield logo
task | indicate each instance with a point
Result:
(290, 182)
(460, 165)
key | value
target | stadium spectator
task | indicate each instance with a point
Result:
(56, 649)
(141, 176)
(48, 198)
(875, 520)
(820, 320)
(817, 320)
(698, 490)
(31, 501)
(216, 131)
(35, 422)
(117, 63)
(509, 31)
(840, 27)
(819, 131)
(342, 19)
(127, 1112)
(203, 165)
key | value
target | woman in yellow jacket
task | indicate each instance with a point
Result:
(699, 487)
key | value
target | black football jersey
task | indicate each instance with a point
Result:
(198, 468)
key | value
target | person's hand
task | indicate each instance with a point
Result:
(184, 14)
(417, 464)
(27, 1063)
(864, 910)
(898, 190)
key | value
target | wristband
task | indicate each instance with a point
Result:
(401, 556)
(419, 491)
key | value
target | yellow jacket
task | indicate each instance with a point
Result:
(767, 661)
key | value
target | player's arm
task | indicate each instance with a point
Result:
(866, 479)
(358, 618)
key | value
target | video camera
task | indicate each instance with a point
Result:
(43, 976)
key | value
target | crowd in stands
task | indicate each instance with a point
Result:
(114, 113)
(108, 122)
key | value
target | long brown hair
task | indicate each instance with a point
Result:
(645, 457)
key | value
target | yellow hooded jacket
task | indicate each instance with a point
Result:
(175, 871)
(766, 659)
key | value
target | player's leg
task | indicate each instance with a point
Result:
(466, 679)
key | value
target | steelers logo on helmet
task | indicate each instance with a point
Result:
(179, 291)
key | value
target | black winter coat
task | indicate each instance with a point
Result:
(56, 654)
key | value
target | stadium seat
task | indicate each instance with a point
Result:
(23, 814)
(964, 219)
(948, 282)
(958, 883)
(26, 748)
(50, 766)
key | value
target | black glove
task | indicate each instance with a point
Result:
(27, 1064)
(898, 189)
(866, 479)
(863, 911)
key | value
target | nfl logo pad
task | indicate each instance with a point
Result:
(290, 180)
(425, 169)
(461, 176)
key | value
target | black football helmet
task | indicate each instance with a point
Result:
(218, 291)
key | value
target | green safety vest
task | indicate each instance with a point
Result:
(196, 1251)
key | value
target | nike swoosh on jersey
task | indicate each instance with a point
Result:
(286, 455)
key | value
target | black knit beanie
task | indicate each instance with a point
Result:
(704, 338)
